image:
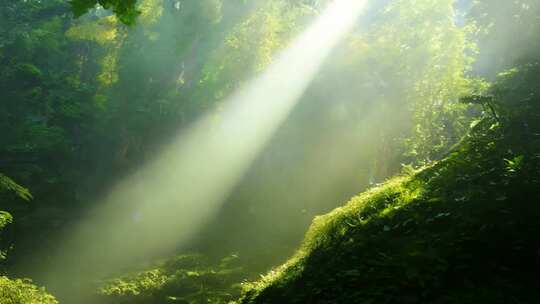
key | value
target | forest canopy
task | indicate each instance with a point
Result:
(126, 10)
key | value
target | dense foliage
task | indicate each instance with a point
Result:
(86, 101)
(190, 279)
(126, 10)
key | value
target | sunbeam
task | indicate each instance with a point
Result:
(256, 151)
(166, 202)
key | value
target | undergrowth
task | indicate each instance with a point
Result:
(186, 279)
(463, 230)
(23, 292)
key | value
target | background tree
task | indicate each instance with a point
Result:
(508, 34)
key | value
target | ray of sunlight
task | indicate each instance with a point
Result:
(166, 202)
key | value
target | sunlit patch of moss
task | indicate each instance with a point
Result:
(380, 201)
(374, 203)
(183, 279)
(461, 230)
(139, 283)
(23, 292)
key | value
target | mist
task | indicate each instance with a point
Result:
(166, 202)
(225, 127)
(509, 36)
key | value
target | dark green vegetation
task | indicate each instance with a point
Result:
(126, 10)
(85, 102)
(183, 279)
(462, 230)
(18, 291)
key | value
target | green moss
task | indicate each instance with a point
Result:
(183, 279)
(463, 230)
(23, 292)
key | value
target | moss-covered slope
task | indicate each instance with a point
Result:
(464, 230)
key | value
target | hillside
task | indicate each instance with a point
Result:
(462, 230)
